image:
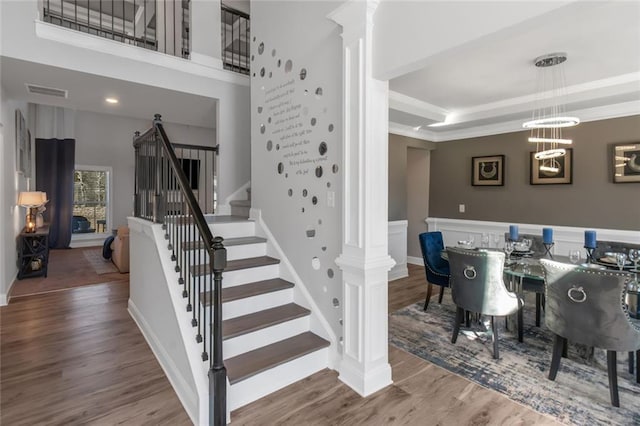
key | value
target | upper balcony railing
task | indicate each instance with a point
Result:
(158, 25)
(235, 40)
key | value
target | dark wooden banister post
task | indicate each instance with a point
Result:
(157, 204)
(136, 184)
(218, 372)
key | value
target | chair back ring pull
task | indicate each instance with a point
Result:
(470, 272)
(582, 296)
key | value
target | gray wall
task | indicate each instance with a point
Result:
(593, 200)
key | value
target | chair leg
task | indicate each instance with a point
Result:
(441, 294)
(631, 362)
(467, 318)
(494, 332)
(520, 324)
(558, 345)
(613, 378)
(565, 349)
(456, 324)
(538, 307)
(429, 290)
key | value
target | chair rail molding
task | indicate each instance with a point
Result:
(364, 260)
(565, 237)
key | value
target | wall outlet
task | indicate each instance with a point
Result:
(461, 208)
(331, 198)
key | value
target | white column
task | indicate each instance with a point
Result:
(364, 261)
(206, 39)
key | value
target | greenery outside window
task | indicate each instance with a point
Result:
(91, 200)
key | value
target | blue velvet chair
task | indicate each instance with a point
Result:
(436, 268)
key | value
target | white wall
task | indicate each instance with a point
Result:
(299, 31)
(107, 140)
(11, 183)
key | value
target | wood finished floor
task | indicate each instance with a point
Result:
(76, 357)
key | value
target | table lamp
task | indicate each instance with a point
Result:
(31, 200)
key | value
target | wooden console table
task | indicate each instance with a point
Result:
(33, 253)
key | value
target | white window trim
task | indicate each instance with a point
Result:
(107, 231)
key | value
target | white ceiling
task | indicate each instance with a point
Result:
(488, 86)
(87, 92)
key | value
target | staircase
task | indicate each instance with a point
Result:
(267, 339)
(241, 207)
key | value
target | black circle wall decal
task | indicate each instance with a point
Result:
(254, 74)
(304, 192)
(303, 73)
(280, 168)
(330, 273)
(324, 248)
(335, 168)
(313, 121)
(290, 192)
(331, 127)
(273, 52)
(270, 74)
(254, 38)
(322, 149)
(259, 110)
(319, 92)
(269, 145)
(262, 128)
(314, 200)
(252, 57)
(261, 48)
(279, 62)
(319, 221)
(277, 147)
(336, 302)
(303, 210)
(286, 175)
(262, 72)
(319, 171)
(328, 184)
(269, 120)
(288, 66)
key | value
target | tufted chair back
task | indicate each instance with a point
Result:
(436, 268)
(586, 306)
(477, 284)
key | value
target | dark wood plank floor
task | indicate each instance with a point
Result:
(76, 357)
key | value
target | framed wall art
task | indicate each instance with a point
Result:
(551, 171)
(626, 163)
(487, 171)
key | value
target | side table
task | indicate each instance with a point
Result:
(33, 253)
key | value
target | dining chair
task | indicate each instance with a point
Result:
(477, 285)
(586, 306)
(436, 268)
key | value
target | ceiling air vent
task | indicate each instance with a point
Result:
(47, 91)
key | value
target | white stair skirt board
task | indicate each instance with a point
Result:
(253, 388)
(266, 336)
(398, 249)
(243, 251)
(565, 237)
(257, 303)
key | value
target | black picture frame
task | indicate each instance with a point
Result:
(564, 176)
(626, 163)
(487, 170)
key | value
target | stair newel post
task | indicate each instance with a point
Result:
(157, 205)
(217, 372)
(136, 184)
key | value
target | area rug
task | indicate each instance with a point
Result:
(579, 395)
(99, 263)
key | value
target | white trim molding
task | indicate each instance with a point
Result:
(398, 248)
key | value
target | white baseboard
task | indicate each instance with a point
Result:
(6, 297)
(188, 399)
(415, 260)
(398, 271)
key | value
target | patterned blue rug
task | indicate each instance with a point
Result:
(579, 395)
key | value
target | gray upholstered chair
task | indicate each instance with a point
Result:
(586, 306)
(477, 286)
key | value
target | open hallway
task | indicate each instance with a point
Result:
(77, 357)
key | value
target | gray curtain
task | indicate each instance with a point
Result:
(55, 162)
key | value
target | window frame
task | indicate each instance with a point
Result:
(109, 198)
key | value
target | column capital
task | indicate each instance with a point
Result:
(355, 17)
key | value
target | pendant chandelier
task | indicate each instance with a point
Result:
(549, 117)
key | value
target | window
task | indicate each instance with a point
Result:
(91, 200)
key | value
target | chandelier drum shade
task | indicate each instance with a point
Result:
(548, 118)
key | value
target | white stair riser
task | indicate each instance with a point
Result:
(242, 251)
(254, 388)
(266, 336)
(233, 229)
(245, 276)
(240, 211)
(257, 303)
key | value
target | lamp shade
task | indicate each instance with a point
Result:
(32, 198)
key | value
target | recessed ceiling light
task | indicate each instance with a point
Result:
(111, 100)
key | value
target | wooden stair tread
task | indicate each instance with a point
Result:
(234, 265)
(228, 242)
(249, 364)
(238, 292)
(240, 203)
(262, 319)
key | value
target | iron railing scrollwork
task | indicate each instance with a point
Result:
(167, 177)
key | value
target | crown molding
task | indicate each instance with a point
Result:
(404, 130)
(409, 105)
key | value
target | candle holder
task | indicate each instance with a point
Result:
(547, 249)
(590, 250)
